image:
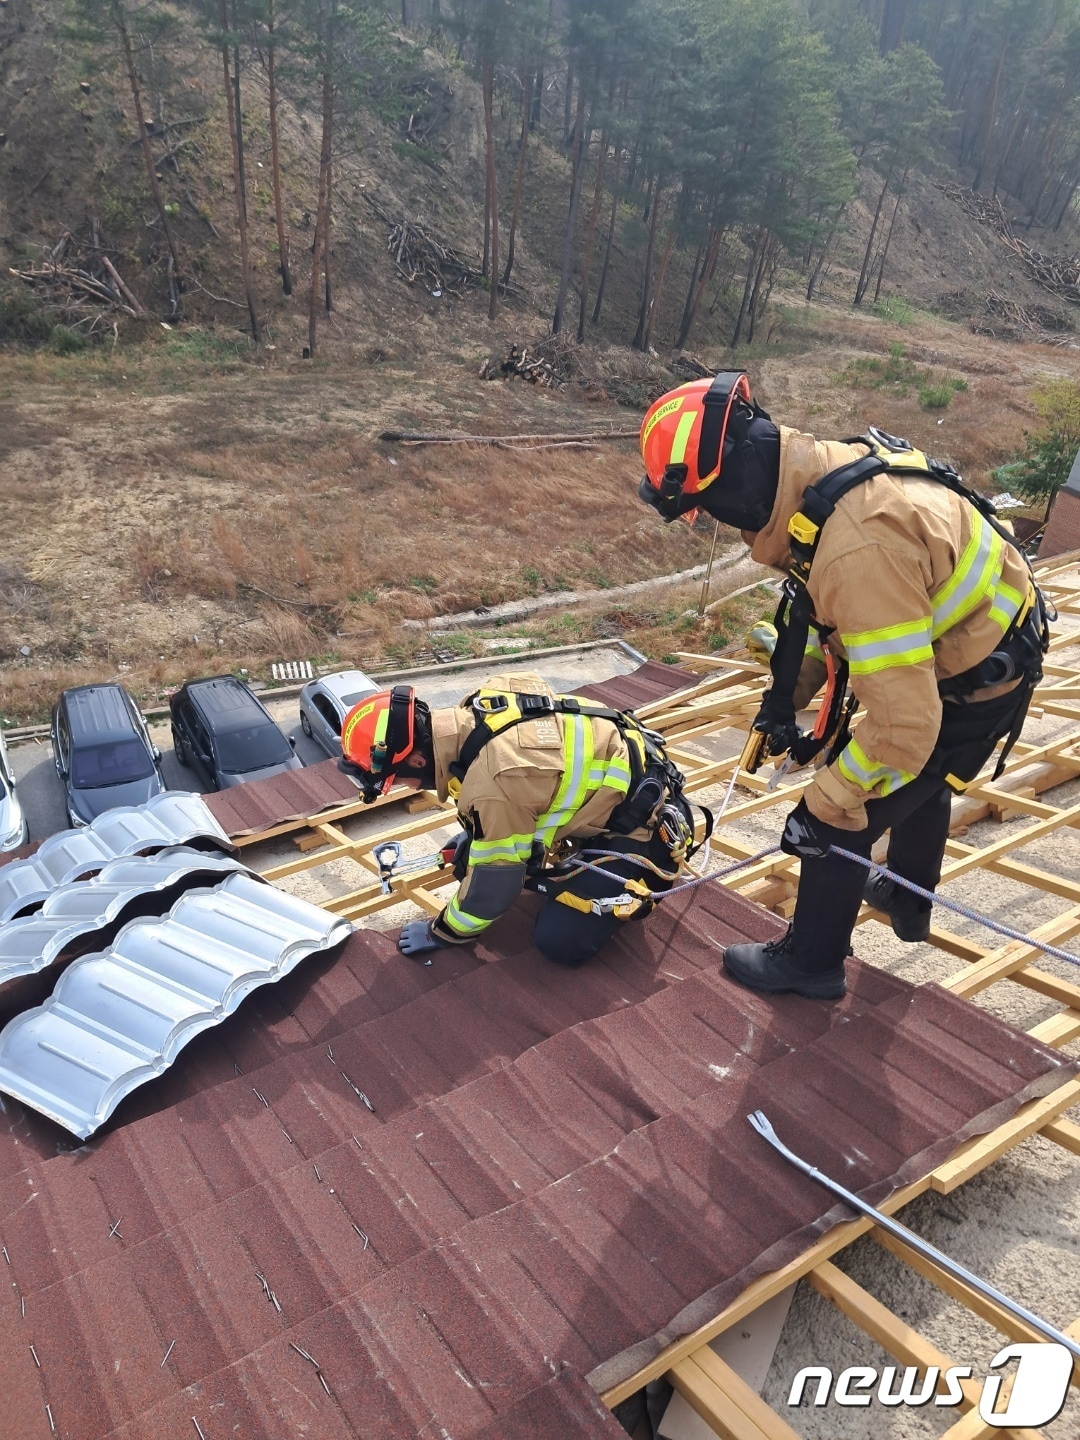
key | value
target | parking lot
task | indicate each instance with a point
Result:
(41, 792)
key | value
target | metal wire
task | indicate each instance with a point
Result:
(965, 910)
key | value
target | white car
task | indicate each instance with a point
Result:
(325, 702)
(13, 829)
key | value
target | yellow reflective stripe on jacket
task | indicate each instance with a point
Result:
(461, 922)
(854, 765)
(872, 650)
(574, 785)
(614, 773)
(974, 579)
(513, 850)
(1007, 605)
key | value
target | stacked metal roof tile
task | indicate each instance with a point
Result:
(81, 907)
(387, 1201)
(174, 818)
(119, 1017)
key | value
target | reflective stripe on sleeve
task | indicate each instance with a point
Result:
(854, 766)
(872, 650)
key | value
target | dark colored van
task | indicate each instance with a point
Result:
(103, 752)
(220, 725)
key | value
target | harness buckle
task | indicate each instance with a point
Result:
(490, 704)
(536, 704)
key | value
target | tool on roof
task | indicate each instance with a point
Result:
(391, 865)
(914, 1242)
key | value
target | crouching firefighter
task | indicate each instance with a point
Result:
(547, 787)
(901, 582)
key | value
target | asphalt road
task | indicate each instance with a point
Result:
(41, 791)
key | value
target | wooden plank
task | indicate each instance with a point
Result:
(1002, 1320)
(725, 1402)
(976, 1154)
(1059, 1029)
(878, 1321)
(1002, 962)
(1065, 1133)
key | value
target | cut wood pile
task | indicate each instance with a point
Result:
(1060, 274)
(420, 256)
(1006, 320)
(545, 362)
(79, 282)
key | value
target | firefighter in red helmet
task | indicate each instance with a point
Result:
(899, 581)
(548, 787)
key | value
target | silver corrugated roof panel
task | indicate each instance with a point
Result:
(32, 942)
(119, 1017)
(174, 818)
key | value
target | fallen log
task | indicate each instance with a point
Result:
(405, 437)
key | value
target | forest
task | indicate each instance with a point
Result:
(697, 128)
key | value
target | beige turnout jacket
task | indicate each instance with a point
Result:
(916, 586)
(541, 780)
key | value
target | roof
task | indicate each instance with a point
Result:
(227, 700)
(98, 712)
(392, 1201)
(344, 683)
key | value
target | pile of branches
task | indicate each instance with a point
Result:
(1060, 274)
(546, 362)
(79, 282)
(1007, 320)
(420, 255)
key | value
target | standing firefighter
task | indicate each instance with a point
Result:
(899, 579)
(542, 784)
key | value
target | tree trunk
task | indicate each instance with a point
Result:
(328, 220)
(695, 296)
(755, 293)
(488, 87)
(684, 323)
(823, 257)
(751, 270)
(638, 342)
(519, 178)
(991, 117)
(658, 288)
(238, 178)
(864, 273)
(609, 241)
(275, 155)
(1068, 202)
(568, 101)
(590, 233)
(324, 175)
(148, 156)
(889, 235)
(571, 219)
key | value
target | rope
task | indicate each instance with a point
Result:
(965, 910)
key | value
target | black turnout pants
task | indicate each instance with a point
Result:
(830, 890)
(570, 937)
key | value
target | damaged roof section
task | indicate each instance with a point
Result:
(119, 1017)
(174, 818)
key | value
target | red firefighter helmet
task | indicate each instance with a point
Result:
(377, 735)
(682, 441)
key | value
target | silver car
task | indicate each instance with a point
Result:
(325, 702)
(13, 831)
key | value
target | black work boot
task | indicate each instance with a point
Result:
(772, 967)
(909, 914)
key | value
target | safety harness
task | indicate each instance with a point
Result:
(654, 794)
(774, 731)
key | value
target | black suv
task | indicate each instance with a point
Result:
(219, 723)
(103, 753)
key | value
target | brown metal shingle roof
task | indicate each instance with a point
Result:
(550, 1159)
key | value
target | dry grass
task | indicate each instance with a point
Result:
(176, 510)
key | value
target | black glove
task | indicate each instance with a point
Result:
(803, 835)
(416, 939)
(457, 851)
